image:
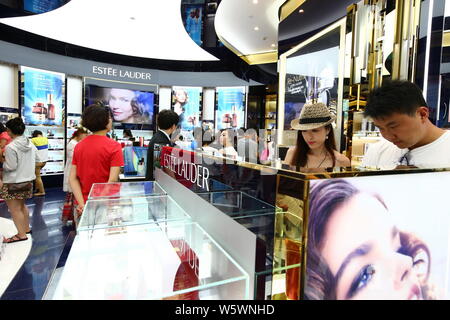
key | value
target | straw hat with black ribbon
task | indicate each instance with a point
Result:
(313, 116)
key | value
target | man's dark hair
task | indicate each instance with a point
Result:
(95, 118)
(36, 133)
(16, 126)
(395, 96)
(2, 127)
(167, 118)
(128, 133)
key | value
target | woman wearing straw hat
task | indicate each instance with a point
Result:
(316, 147)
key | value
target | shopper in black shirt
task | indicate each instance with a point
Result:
(167, 124)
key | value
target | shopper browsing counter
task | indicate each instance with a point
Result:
(96, 159)
(316, 147)
(399, 110)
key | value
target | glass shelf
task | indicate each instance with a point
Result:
(170, 261)
(121, 212)
(237, 204)
(125, 189)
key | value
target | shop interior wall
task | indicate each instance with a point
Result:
(165, 97)
(9, 86)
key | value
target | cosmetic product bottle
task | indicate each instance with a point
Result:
(51, 107)
(234, 118)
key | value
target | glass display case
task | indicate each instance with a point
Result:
(121, 212)
(125, 189)
(170, 261)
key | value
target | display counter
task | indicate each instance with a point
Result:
(122, 212)
(170, 260)
(125, 189)
(334, 232)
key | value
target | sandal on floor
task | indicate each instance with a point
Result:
(29, 232)
(13, 239)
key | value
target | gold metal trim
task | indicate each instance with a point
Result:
(282, 72)
(261, 58)
(446, 39)
(288, 7)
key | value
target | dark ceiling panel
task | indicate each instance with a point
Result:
(317, 15)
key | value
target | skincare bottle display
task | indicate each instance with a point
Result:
(51, 107)
(234, 117)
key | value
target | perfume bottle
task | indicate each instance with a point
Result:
(234, 117)
(51, 107)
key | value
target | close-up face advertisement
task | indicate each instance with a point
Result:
(379, 238)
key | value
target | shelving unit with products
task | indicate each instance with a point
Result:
(72, 122)
(270, 119)
(56, 147)
(147, 135)
(361, 132)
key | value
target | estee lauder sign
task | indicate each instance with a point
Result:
(183, 167)
(126, 74)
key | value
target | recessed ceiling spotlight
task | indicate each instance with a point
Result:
(273, 45)
(256, 28)
(255, 1)
(301, 10)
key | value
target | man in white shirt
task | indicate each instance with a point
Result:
(399, 110)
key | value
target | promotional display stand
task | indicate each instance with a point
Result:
(135, 242)
(43, 109)
(376, 217)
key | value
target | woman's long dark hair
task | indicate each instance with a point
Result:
(301, 154)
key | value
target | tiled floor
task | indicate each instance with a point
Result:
(49, 240)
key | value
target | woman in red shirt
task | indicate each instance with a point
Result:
(96, 159)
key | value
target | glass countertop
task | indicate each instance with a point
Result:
(125, 189)
(120, 212)
(238, 204)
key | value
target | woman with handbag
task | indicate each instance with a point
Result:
(77, 136)
(18, 175)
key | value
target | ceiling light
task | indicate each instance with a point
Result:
(301, 10)
(256, 28)
(255, 1)
(273, 45)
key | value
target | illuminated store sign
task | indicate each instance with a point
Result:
(120, 73)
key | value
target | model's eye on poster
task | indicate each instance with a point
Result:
(380, 237)
(186, 103)
(43, 96)
(230, 108)
(127, 106)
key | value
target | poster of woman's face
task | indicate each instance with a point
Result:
(127, 106)
(186, 103)
(382, 237)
